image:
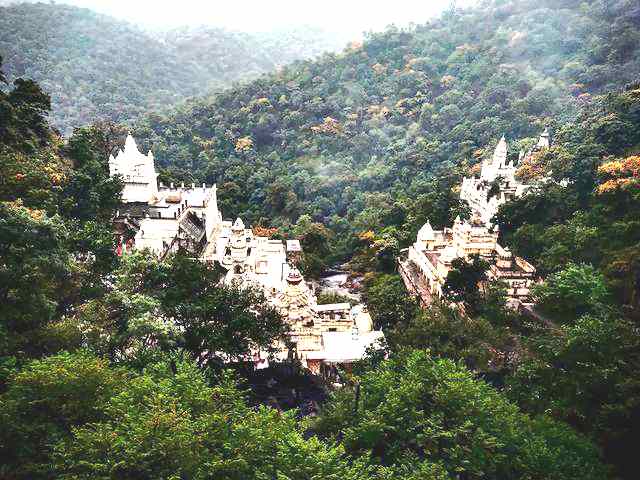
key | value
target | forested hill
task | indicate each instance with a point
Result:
(352, 139)
(98, 68)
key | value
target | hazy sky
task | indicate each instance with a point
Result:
(349, 16)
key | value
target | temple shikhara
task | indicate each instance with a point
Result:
(425, 265)
(164, 219)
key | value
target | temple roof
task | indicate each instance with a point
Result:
(238, 225)
(426, 232)
(130, 143)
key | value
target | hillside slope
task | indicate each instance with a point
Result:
(96, 67)
(354, 139)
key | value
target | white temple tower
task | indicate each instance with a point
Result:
(138, 172)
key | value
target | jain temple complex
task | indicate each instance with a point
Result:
(164, 219)
(425, 265)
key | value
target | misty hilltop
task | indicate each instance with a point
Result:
(99, 68)
(351, 135)
(417, 258)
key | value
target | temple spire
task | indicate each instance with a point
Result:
(544, 141)
(500, 153)
(130, 144)
(426, 232)
(238, 225)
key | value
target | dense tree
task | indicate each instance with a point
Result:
(72, 416)
(466, 282)
(314, 239)
(484, 343)
(175, 304)
(585, 373)
(36, 270)
(423, 416)
(42, 404)
(585, 214)
(389, 303)
(574, 291)
(56, 206)
(355, 140)
(99, 68)
(164, 426)
(23, 111)
(351, 154)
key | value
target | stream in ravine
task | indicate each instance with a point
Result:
(340, 282)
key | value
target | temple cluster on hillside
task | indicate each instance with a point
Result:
(426, 264)
(165, 219)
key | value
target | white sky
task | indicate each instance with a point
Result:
(348, 16)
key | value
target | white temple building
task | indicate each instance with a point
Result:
(500, 174)
(426, 264)
(138, 172)
(428, 261)
(165, 219)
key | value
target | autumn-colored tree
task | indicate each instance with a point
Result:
(243, 144)
(329, 126)
(620, 175)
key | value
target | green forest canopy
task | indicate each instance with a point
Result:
(91, 375)
(98, 68)
(355, 139)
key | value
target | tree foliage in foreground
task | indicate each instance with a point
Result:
(422, 416)
(56, 242)
(72, 416)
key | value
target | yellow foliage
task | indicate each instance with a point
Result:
(257, 104)
(260, 231)
(400, 104)
(378, 110)
(244, 144)
(620, 174)
(330, 126)
(55, 174)
(447, 81)
(34, 213)
(531, 168)
(478, 153)
(379, 68)
(367, 236)
(408, 67)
